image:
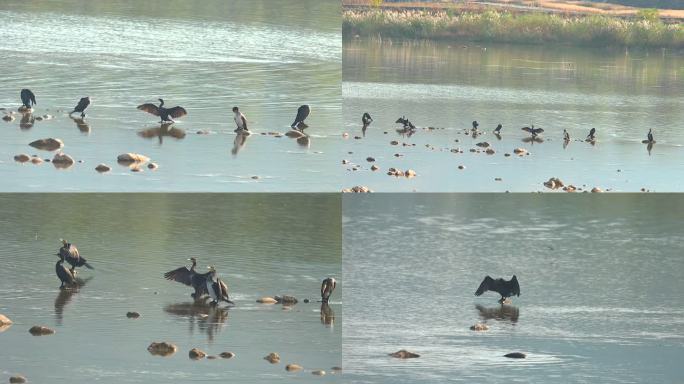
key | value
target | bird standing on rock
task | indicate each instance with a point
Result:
(503, 287)
(240, 120)
(81, 106)
(167, 114)
(28, 99)
(64, 274)
(327, 288)
(70, 253)
(302, 113)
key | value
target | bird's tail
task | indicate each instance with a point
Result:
(88, 266)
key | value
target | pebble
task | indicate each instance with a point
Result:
(370, 159)
(461, 167)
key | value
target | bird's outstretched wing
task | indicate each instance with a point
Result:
(27, 97)
(181, 275)
(527, 129)
(515, 287)
(538, 130)
(484, 286)
(149, 108)
(302, 114)
(177, 112)
(82, 104)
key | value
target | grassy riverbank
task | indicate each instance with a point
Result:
(506, 27)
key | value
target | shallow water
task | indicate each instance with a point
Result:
(260, 245)
(621, 94)
(266, 57)
(599, 278)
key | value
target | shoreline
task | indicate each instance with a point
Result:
(495, 26)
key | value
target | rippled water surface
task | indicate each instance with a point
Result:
(268, 57)
(260, 245)
(600, 288)
(621, 94)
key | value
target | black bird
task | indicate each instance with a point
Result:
(302, 114)
(407, 124)
(191, 278)
(475, 125)
(497, 130)
(650, 136)
(566, 135)
(532, 130)
(28, 98)
(166, 114)
(81, 106)
(72, 256)
(592, 134)
(218, 290)
(64, 274)
(504, 288)
(327, 288)
(366, 119)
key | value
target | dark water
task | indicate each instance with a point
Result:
(267, 57)
(621, 94)
(261, 246)
(600, 288)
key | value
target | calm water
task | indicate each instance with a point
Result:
(268, 57)
(600, 288)
(260, 245)
(437, 85)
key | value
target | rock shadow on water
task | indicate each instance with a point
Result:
(65, 295)
(208, 319)
(164, 130)
(327, 315)
(506, 313)
(27, 120)
(239, 142)
(81, 124)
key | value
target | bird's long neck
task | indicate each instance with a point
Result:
(194, 264)
(161, 103)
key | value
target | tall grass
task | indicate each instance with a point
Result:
(528, 28)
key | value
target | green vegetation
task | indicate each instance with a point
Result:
(528, 28)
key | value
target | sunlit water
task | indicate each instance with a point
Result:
(266, 57)
(260, 245)
(621, 94)
(600, 288)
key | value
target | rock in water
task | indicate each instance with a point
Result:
(39, 330)
(318, 372)
(162, 349)
(227, 355)
(132, 315)
(273, 358)
(286, 299)
(130, 158)
(515, 355)
(196, 354)
(267, 300)
(293, 367)
(102, 168)
(48, 144)
(17, 379)
(21, 158)
(62, 160)
(479, 327)
(404, 354)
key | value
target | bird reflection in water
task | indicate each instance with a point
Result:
(239, 142)
(207, 318)
(304, 141)
(508, 313)
(65, 295)
(327, 315)
(649, 147)
(81, 124)
(27, 120)
(533, 139)
(162, 131)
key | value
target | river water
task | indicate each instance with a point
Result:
(599, 281)
(260, 245)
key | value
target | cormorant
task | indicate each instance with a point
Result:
(650, 136)
(534, 131)
(366, 119)
(81, 106)
(327, 288)
(475, 125)
(166, 114)
(407, 124)
(302, 114)
(218, 290)
(240, 120)
(28, 98)
(591, 136)
(190, 278)
(497, 130)
(566, 135)
(503, 287)
(64, 274)
(72, 256)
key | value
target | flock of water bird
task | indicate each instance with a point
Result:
(166, 115)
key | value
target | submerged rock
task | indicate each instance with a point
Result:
(39, 330)
(273, 358)
(479, 327)
(515, 355)
(196, 354)
(129, 158)
(102, 168)
(461, 167)
(21, 158)
(162, 349)
(49, 144)
(483, 144)
(404, 354)
(267, 300)
(17, 379)
(227, 355)
(132, 315)
(293, 367)
(370, 159)
(294, 134)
